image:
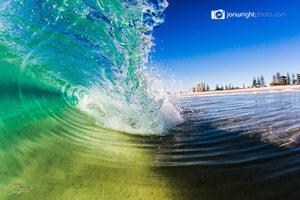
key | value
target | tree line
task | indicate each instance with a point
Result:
(287, 80)
(259, 81)
(278, 79)
(227, 87)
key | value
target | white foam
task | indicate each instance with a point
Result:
(170, 114)
(288, 90)
(113, 111)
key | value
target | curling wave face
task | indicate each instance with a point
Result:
(94, 52)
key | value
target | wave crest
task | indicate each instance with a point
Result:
(95, 52)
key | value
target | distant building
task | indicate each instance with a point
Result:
(298, 78)
(274, 84)
(201, 87)
(282, 80)
(194, 89)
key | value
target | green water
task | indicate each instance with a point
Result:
(45, 159)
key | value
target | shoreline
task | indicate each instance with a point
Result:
(247, 90)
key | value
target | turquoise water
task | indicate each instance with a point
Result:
(83, 116)
(92, 52)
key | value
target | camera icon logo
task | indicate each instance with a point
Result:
(218, 14)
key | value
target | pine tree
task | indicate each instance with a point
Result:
(293, 78)
(277, 77)
(217, 87)
(254, 82)
(262, 81)
(288, 78)
(207, 88)
(258, 81)
(274, 79)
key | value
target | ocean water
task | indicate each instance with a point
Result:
(229, 147)
(83, 116)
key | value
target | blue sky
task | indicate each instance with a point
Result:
(196, 48)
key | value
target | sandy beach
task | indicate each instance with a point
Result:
(247, 90)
